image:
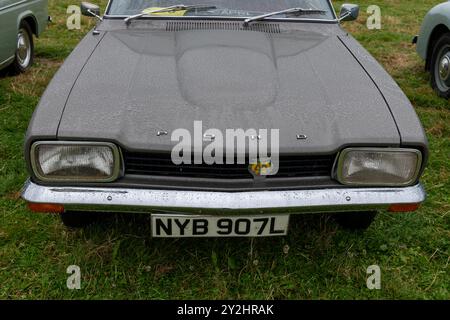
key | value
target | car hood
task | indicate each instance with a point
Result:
(138, 82)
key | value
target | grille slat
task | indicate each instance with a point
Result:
(160, 164)
(203, 175)
(187, 167)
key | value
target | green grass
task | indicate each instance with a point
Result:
(118, 259)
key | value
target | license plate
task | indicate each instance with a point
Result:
(178, 226)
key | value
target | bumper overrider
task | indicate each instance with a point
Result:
(60, 199)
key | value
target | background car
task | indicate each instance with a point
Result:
(433, 45)
(19, 21)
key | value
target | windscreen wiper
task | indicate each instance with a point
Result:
(286, 11)
(178, 7)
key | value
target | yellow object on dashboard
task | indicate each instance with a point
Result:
(149, 11)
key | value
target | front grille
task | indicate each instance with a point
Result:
(160, 164)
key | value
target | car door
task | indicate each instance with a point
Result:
(8, 28)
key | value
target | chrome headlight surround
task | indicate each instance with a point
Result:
(343, 157)
(36, 164)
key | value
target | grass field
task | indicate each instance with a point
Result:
(119, 260)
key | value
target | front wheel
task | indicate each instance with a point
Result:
(355, 220)
(25, 49)
(440, 66)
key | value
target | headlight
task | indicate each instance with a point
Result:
(379, 166)
(75, 161)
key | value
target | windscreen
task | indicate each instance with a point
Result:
(226, 8)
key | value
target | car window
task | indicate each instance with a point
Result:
(231, 8)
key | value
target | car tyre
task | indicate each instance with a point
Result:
(24, 56)
(355, 221)
(440, 66)
(78, 220)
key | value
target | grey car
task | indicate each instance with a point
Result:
(103, 136)
(433, 45)
(19, 21)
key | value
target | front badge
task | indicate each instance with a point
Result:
(261, 168)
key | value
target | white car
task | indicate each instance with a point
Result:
(19, 21)
(433, 45)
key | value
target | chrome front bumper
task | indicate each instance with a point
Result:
(201, 202)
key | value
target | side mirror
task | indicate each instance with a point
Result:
(90, 10)
(349, 12)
